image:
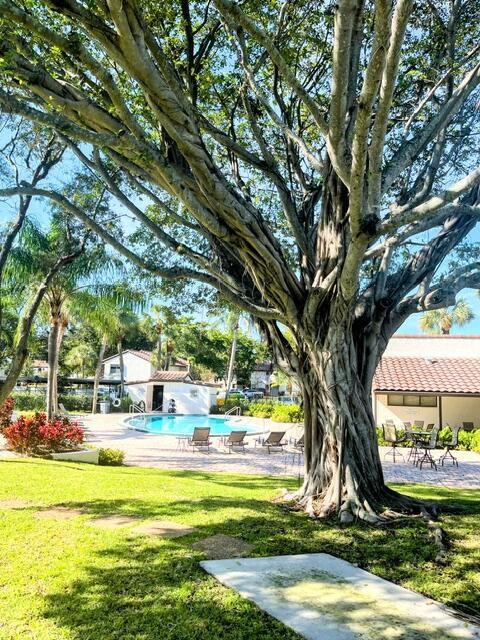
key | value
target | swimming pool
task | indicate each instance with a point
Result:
(179, 425)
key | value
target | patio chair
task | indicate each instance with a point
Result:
(429, 426)
(468, 426)
(390, 435)
(274, 440)
(451, 446)
(410, 441)
(200, 438)
(300, 443)
(428, 446)
(418, 424)
(236, 439)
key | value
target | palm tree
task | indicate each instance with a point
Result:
(126, 321)
(441, 321)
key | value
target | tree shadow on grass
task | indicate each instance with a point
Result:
(149, 588)
(146, 588)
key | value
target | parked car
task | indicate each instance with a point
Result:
(234, 393)
(253, 394)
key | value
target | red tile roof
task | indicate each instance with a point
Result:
(433, 375)
(141, 353)
(170, 376)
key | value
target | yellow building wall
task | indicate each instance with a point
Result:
(455, 410)
(403, 414)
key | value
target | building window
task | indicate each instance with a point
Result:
(114, 368)
(410, 400)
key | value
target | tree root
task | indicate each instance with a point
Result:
(439, 538)
(400, 509)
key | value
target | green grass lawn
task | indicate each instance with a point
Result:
(66, 579)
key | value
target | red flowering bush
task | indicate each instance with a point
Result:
(6, 410)
(39, 435)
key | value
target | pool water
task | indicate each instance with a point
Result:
(178, 425)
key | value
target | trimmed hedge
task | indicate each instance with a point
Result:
(111, 457)
(36, 401)
(287, 413)
(260, 409)
(276, 411)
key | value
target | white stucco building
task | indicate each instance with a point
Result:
(431, 378)
(156, 388)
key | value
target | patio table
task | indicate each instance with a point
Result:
(419, 439)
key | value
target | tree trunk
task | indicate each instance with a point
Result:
(159, 348)
(52, 360)
(98, 372)
(343, 471)
(122, 366)
(61, 332)
(231, 362)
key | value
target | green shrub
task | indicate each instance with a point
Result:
(111, 457)
(475, 441)
(383, 443)
(465, 438)
(27, 401)
(125, 403)
(74, 402)
(260, 409)
(223, 406)
(287, 413)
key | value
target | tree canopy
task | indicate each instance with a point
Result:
(316, 163)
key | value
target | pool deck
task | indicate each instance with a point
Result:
(150, 450)
(161, 451)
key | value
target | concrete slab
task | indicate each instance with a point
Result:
(113, 521)
(222, 546)
(59, 513)
(324, 598)
(163, 529)
(89, 456)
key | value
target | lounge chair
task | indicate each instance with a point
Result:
(451, 446)
(200, 438)
(274, 440)
(66, 414)
(390, 435)
(236, 439)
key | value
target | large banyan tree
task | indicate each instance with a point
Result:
(315, 162)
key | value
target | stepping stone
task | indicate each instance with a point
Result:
(163, 529)
(59, 513)
(14, 503)
(112, 522)
(220, 546)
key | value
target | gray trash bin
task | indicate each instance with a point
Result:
(104, 406)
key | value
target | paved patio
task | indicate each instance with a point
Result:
(162, 451)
